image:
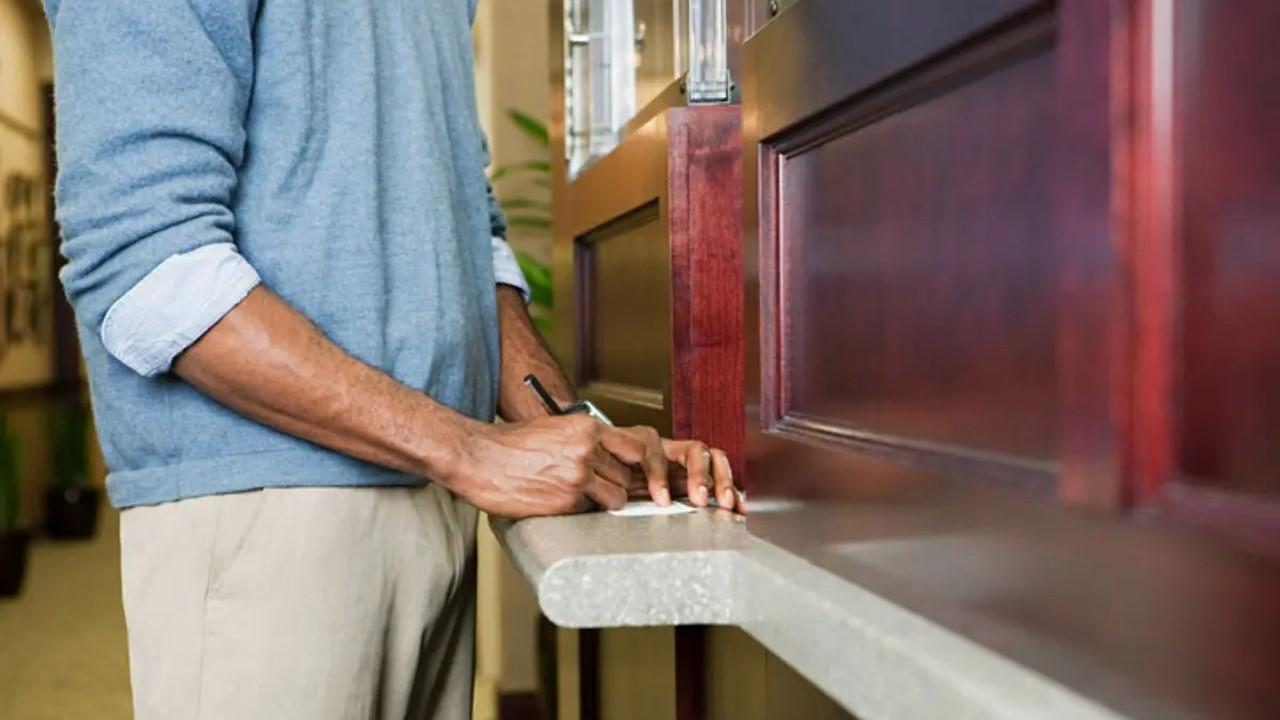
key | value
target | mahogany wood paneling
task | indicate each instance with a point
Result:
(905, 236)
(1226, 90)
(1094, 124)
(655, 277)
(1205, 178)
(623, 272)
(1130, 229)
(704, 195)
(597, 214)
(918, 295)
(1022, 240)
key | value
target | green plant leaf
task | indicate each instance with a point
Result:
(531, 127)
(543, 325)
(529, 221)
(537, 166)
(525, 204)
(533, 268)
(538, 275)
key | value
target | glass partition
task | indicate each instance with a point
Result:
(622, 54)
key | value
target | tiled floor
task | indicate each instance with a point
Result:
(62, 643)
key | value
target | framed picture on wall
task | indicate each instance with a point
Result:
(27, 274)
(26, 277)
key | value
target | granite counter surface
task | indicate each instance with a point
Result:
(873, 656)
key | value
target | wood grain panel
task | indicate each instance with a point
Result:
(906, 257)
(705, 200)
(918, 296)
(627, 223)
(1155, 240)
(1095, 224)
(624, 274)
(1197, 235)
(1227, 76)
(655, 277)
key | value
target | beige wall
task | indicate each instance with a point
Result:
(511, 72)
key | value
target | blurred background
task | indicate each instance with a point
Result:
(62, 638)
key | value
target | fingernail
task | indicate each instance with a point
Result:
(664, 496)
(700, 495)
(726, 498)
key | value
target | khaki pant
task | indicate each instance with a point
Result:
(307, 603)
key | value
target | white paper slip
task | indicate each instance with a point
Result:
(647, 508)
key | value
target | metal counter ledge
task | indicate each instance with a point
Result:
(874, 657)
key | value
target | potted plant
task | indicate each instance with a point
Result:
(13, 542)
(70, 505)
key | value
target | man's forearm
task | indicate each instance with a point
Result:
(268, 362)
(524, 352)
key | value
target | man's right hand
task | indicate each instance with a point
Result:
(551, 465)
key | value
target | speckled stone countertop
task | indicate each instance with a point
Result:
(874, 657)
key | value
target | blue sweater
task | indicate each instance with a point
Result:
(335, 142)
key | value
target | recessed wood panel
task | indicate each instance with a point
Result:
(914, 241)
(1228, 88)
(627, 332)
(647, 254)
(623, 287)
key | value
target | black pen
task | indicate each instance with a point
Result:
(585, 407)
(548, 402)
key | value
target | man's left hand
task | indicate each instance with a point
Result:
(694, 469)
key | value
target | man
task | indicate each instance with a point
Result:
(299, 318)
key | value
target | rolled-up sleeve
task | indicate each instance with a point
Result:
(506, 269)
(174, 305)
(151, 98)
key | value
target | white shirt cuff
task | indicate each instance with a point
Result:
(506, 270)
(176, 303)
